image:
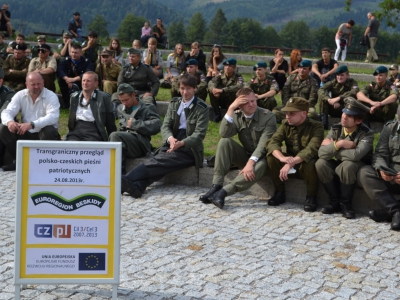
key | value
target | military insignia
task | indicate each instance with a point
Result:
(191, 105)
(393, 87)
(240, 79)
(256, 66)
(75, 94)
(354, 87)
(252, 80)
(290, 100)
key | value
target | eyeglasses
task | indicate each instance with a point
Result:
(217, 46)
(43, 50)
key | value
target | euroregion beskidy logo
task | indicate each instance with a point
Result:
(65, 204)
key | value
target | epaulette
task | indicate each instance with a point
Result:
(75, 94)
(202, 104)
(390, 122)
(175, 99)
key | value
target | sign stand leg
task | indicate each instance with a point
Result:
(17, 291)
(115, 292)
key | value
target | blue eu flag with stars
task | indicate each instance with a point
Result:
(92, 261)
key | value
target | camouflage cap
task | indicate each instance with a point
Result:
(354, 107)
(1, 73)
(133, 51)
(394, 67)
(124, 88)
(41, 38)
(342, 69)
(296, 104)
(260, 64)
(229, 62)
(380, 70)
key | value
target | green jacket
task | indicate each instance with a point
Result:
(141, 77)
(17, 66)
(294, 87)
(376, 93)
(197, 117)
(347, 89)
(302, 141)
(363, 137)
(387, 151)
(229, 85)
(145, 122)
(102, 110)
(254, 136)
(261, 87)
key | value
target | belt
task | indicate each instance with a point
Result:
(78, 120)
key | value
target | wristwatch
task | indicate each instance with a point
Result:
(33, 125)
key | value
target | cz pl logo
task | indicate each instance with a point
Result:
(49, 231)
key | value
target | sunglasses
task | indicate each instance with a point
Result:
(43, 50)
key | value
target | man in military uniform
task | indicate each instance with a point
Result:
(254, 126)
(140, 76)
(381, 179)
(15, 68)
(222, 88)
(192, 68)
(6, 95)
(331, 95)
(183, 131)
(70, 73)
(91, 116)
(300, 85)
(302, 137)
(46, 65)
(346, 148)
(91, 48)
(264, 86)
(394, 77)
(138, 121)
(108, 72)
(380, 96)
(41, 39)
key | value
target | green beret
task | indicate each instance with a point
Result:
(354, 107)
(342, 69)
(305, 63)
(229, 62)
(192, 62)
(296, 104)
(380, 70)
(133, 51)
(124, 88)
(260, 64)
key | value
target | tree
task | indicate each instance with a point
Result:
(272, 38)
(176, 33)
(196, 29)
(323, 37)
(99, 24)
(130, 28)
(215, 34)
(296, 34)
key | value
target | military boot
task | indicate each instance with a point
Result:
(325, 120)
(217, 115)
(334, 198)
(139, 173)
(206, 197)
(346, 196)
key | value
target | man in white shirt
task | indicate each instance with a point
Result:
(39, 109)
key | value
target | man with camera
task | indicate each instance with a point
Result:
(5, 20)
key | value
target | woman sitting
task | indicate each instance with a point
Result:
(215, 62)
(118, 56)
(152, 57)
(295, 59)
(175, 63)
(279, 67)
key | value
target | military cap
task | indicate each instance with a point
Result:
(394, 67)
(296, 104)
(305, 63)
(1, 73)
(20, 47)
(133, 51)
(124, 88)
(67, 35)
(107, 52)
(44, 46)
(192, 62)
(342, 69)
(260, 64)
(354, 107)
(41, 37)
(77, 14)
(380, 70)
(229, 62)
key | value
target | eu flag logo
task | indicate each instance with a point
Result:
(92, 261)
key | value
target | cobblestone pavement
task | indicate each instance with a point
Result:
(175, 247)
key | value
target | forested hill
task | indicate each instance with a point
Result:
(53, 15)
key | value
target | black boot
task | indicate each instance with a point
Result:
(277, 199)
(217, 115)
(218, 199)
(347, 192)
(131, 188)
(380, 215)
(123, 161)
(206, 197)
(311, 204)
(334, 198)
(325, 120)
(2, 153)
(395, 225)
(140, 172)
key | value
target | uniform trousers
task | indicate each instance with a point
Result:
(230, 152)
(84, 131)
(383, 114)
(304, 170)
(267, 103)
(378, 189)
(345, 170)
(109, 87)
(224, 100)
(10, 139)
(130, 142)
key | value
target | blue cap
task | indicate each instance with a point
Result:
(260, 64)
(229, 62)
(305, 63)
(354, 107)
(192, 61)
(380, 70)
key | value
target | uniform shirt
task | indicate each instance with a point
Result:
(175, 64)
(155, 60)
(36, 64)
(17, 66)
(333, 89)
(230, 85)
(84, 112)
(387, 150)
(376, 93)
(44, 112)
(110, 72)
(295, 87)
(260, 87)
(392, 78)
(141, 77)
